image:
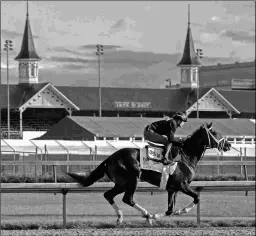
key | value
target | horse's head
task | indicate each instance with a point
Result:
(213, 139)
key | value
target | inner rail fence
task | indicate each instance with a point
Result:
(64, 188)
(94, 164)
(35, 154)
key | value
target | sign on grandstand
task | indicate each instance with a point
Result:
(243, 84)
(128, 104)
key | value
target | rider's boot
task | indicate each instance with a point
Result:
(165, 159)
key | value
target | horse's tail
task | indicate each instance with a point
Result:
(90, 179)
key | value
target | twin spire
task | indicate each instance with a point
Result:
(27, 9)
(189, 54)
(28, 50)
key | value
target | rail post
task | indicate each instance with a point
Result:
(198, 216)
(36, 160)
(64, 208)
(245, 170)
(54, 173)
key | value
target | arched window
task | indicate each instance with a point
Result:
(33, 70)
(22, 69)
(194, 76)
(188, 73)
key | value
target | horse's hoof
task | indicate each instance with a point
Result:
(149, 218)
(185, 210)
(119, 221)
(150, 221)
(177, 212)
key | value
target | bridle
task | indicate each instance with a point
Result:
(219, 144)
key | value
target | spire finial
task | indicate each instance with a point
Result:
(188, 14)
(27, 8)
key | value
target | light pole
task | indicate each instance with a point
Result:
(98, 53)
(8, 47)
(199, 53)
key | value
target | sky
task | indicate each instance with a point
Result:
(143, 41)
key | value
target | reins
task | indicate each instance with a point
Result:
(220, 145)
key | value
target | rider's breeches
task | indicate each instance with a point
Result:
(152, 136)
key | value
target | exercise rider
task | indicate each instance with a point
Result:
(155, 131)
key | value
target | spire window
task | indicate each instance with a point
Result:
(194, 75)
(33, 70)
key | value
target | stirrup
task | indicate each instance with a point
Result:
(166, 162)
(167, 150)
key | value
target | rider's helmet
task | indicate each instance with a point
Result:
(180, 116)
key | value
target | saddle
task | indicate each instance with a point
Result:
(151, 159)
(154, 151)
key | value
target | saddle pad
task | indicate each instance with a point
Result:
(147, 164)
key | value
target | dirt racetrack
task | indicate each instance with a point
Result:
(248, 231)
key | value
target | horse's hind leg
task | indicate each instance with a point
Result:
(130, 189)
(109, 195)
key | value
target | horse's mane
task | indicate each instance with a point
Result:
(191, 142)
(193, 134)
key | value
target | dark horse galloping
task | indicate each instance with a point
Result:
(124, 169)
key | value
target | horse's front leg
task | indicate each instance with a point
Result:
(186, 189)
(171, 204)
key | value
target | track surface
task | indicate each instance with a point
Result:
(138, 232)
(47, 208)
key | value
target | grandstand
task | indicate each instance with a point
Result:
(37, 107)
(131, 128)
(66, 150)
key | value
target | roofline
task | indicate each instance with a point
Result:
(214, 90)
(21, 107)
(221, 66)
(28, 59)
(226, 100)
(189, 65)
(76, 107)
(48, 84)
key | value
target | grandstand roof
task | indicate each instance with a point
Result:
(86, 98)
(242, 100)
(158, 100)
(19, 94)
(86, 128)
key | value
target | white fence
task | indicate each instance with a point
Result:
(64, 188)
(100, 147)
(63, 150)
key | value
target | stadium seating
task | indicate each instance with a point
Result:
(29, 124)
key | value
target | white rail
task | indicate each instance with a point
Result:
(64, 188)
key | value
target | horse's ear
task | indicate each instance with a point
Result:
(209, 125)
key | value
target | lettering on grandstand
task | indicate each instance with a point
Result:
(141, 105)
(243, 84)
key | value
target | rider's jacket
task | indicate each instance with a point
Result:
(166, 127)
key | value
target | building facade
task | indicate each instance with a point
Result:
(36, 105)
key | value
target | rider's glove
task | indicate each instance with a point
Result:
(181, 143)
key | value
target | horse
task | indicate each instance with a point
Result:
(124, 169)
